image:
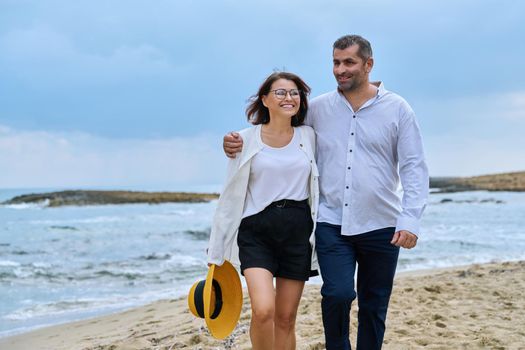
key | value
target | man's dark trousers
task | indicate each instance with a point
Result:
(376, 258)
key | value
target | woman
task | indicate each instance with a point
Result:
(268, 208)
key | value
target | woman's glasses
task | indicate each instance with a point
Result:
(281, 93)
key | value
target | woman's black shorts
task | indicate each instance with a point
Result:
(277, 239)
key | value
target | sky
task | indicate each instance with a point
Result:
(138, 94)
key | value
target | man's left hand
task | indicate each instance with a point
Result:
(405, 239)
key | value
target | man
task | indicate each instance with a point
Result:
(368, 141)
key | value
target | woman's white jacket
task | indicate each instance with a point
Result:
(227, 218)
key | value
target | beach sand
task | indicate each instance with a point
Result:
(472, 307)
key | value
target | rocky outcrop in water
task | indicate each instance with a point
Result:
(470, 201)
(81, 197)
(498, 182)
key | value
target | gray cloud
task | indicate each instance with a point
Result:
(174, 69)
(46, 159)
(44, 58)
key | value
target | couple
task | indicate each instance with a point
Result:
(280, 214)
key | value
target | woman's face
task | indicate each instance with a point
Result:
(283, 100)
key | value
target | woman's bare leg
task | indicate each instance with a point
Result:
(288, 296)
(262, 297)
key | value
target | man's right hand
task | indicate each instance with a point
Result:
(232, 144)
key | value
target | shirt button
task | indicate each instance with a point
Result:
(347, 187)
(301, 144)
(352, 134)
(346, 204)
(349, 168)
(350, 150)
(354, 116)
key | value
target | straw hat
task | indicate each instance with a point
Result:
(218, 299)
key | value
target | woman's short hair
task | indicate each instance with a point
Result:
(257, 113)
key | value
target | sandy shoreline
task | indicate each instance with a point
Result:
(471, 307)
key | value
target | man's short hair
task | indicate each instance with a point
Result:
(344, 42)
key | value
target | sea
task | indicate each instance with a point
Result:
(69, 263)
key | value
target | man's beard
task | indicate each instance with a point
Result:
(351, 85)
(348, 86)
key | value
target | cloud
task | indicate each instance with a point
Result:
(471, 156)
(44, 57)
(474, 135)
(515, 103)
(47, 159)
(130, 69)
(485, 114)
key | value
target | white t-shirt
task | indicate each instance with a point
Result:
(275, 174)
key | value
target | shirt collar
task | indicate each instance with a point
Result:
(380, 88)
(381, 91)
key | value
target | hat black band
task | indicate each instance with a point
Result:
(199, 301)
(218, 299)
(197, 298)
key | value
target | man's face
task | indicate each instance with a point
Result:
(350, 70)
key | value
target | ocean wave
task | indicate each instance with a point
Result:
(469, 201)
(22, 206)
(456, 243)
(15, 272)
(183, 261)
(9, 263)
(7, 276)
(187, 212)
(33, 275)
(128, 275)
(63, 227)
(70, 222)
(151, 269)
(94, 305)
(41, 265)
(56, 308)
(20, 252)
(155, 256)
(23, 274)
(199, 234)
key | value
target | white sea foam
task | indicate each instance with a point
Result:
(64, 307)
(23, 206)
(186, 260)
(74, 306)
(70, 222)
(9, 263)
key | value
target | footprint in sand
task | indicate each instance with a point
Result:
(437, 317)
(433, 289)
(195, 339)
(401, 331)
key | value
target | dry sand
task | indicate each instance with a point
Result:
(474, 307)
